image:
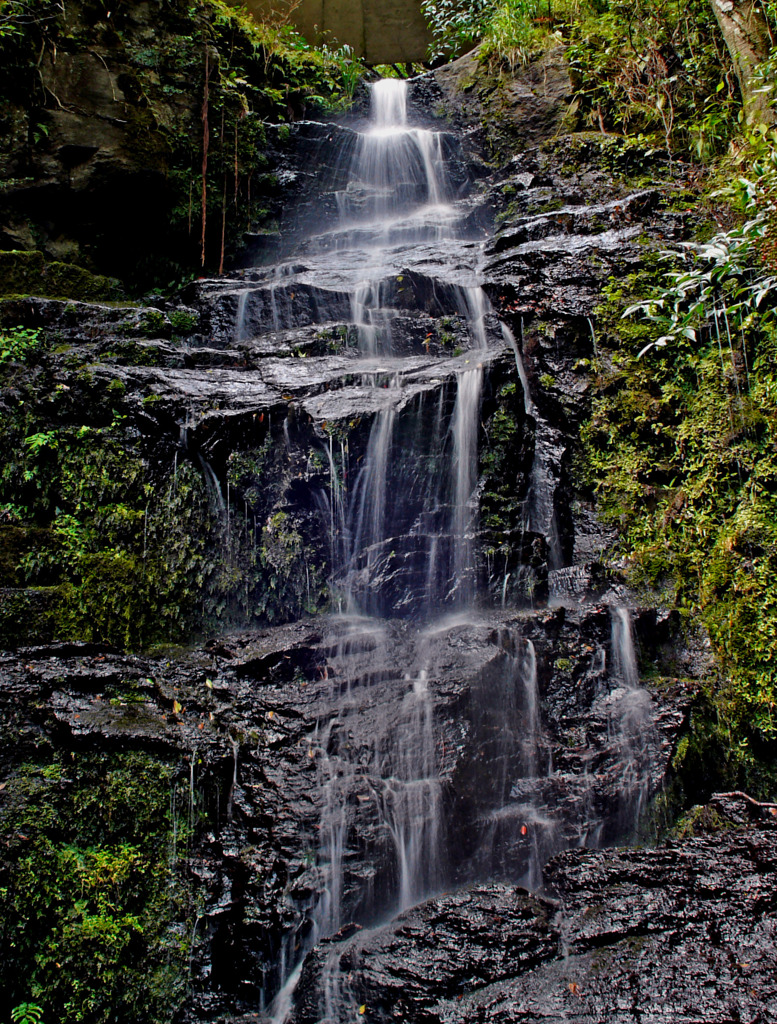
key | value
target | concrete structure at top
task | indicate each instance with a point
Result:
(381, 32)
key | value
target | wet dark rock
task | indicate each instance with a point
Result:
(682, 932)
(262, 715)
(505, 112)
(575, 220)
(294, 737)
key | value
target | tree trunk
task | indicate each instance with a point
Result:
(748, 40)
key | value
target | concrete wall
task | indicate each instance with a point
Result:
(380, 31)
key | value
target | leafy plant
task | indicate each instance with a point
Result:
(680, 452)
(19, 344)
(507, 28)
(718, 291)
(725, 287)
(454, 24)
(27, 1013)
(91, 896)
(660, 70)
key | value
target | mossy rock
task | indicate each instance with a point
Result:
(15, 543)
(27, 614)
(27, 273)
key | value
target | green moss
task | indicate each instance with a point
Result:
(28, 273)
(680, 453)
(154, 324)
(183, 322)
(500, 501)
(700, 820)
(113, 538)
(90, 888)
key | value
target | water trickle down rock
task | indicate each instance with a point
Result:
(403, 529)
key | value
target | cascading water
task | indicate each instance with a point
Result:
(403, 524)
(465, 433)
(398, 175)
(631, 722)
(397, 191)
(411, 801)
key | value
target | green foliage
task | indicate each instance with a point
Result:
(163, 56)
(700, 820)
(638, 68)
(154, 324)
(509, 29)
(129, 560)
(657, 69)
(19, 344)
(720, 292)
(183, 322)
(115, 540)
(256, 72)
(680, 451)
(500, 503)
(699, 454)
(455, 25)
(27, 1013)
(91, 898)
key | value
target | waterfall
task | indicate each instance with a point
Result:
(631, 722)
(531, 704)
(389, 103)
(368, 509)
(411, 803)
(240, 317)
(398, 174)
(624, 655)
(465, 421)
(399, 491)
(416, 487)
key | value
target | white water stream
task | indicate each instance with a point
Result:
(403, 524)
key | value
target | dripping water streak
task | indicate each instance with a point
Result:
(509, 337)
(465, 438)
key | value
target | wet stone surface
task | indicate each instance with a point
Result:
(390, 380)
(267, 716)
(683, 932)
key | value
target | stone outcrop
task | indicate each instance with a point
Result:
(256, 718)
(680, 933)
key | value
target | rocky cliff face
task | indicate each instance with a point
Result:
(250, 723)
(110, 115)
(682, 932)
(219, 439)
